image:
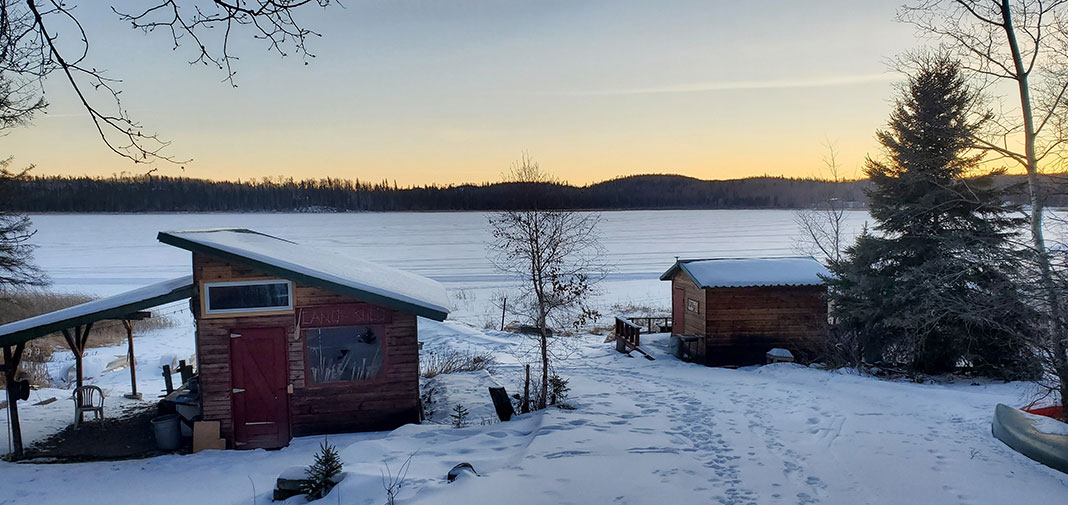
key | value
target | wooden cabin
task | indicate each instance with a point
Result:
(732, 311)
(293, 340)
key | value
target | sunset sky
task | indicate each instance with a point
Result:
(439, 91)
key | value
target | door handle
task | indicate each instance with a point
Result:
(239, 390)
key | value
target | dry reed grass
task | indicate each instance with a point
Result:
(28, 303)
(451, 361)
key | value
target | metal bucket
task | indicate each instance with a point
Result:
(167, 432)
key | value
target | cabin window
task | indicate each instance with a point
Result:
(247, 296)
(344, 353)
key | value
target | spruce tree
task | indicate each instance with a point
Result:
(17, 268)
(558, 389)
(322, 472)
(933, 287)
(459, 416)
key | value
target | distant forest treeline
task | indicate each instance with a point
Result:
(179, 194)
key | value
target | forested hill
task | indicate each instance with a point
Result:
(173, 194)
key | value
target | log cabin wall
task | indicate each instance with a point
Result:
(693, 310)
(383, 403)
(742, 324)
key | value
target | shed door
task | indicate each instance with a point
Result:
(678, 311)
(259, 373)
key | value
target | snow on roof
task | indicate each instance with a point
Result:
(749, 272)
(104, 308)
(356, 277)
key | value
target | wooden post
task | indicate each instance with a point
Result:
(167, 379)
(77, 343)
(131, 360)
(79, 370)
(525, 407)
(185, 371)
(504, 309)
(12, 357)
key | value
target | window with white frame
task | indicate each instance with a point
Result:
(247, 296)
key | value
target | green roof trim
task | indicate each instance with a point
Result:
(77, 319)
(302, 278)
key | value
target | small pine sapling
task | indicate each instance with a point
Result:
(459, 416)
(322, 472)
(558, 389)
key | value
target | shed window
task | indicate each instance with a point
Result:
(344, 353)
(247, 296)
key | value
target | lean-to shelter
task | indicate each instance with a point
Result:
(75, 324)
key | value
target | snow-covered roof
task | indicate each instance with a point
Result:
(111, 307)
(355, 277)
(750, 272)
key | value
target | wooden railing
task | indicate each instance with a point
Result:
(627, 331)
(652, 324)
(628, 337)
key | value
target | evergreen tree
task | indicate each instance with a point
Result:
(459, 416)
(558, 389)
(934, 287)
(323, 471)
(16, 253)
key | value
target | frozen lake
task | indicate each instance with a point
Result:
(103, 254)
(685, 433)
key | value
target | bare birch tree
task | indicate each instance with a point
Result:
(1020, 45)
(557, 256)
(821, 229)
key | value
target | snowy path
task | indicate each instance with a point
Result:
(644, 432)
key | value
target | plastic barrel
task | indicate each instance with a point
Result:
(167, 432)
(675, 346)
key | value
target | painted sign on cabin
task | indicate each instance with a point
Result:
(345, 314)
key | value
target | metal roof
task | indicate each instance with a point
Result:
(111, 307)
(361, 279)
(751, 272)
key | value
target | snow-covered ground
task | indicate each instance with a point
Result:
(641, 432)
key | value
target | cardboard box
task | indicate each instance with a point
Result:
(206, 436)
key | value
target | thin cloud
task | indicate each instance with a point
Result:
(843, 80)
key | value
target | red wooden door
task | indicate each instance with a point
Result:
(678, 311)
(259, 377)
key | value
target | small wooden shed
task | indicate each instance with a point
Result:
(732, 311)
(294, 340)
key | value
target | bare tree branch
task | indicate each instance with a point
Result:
(30, 31)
